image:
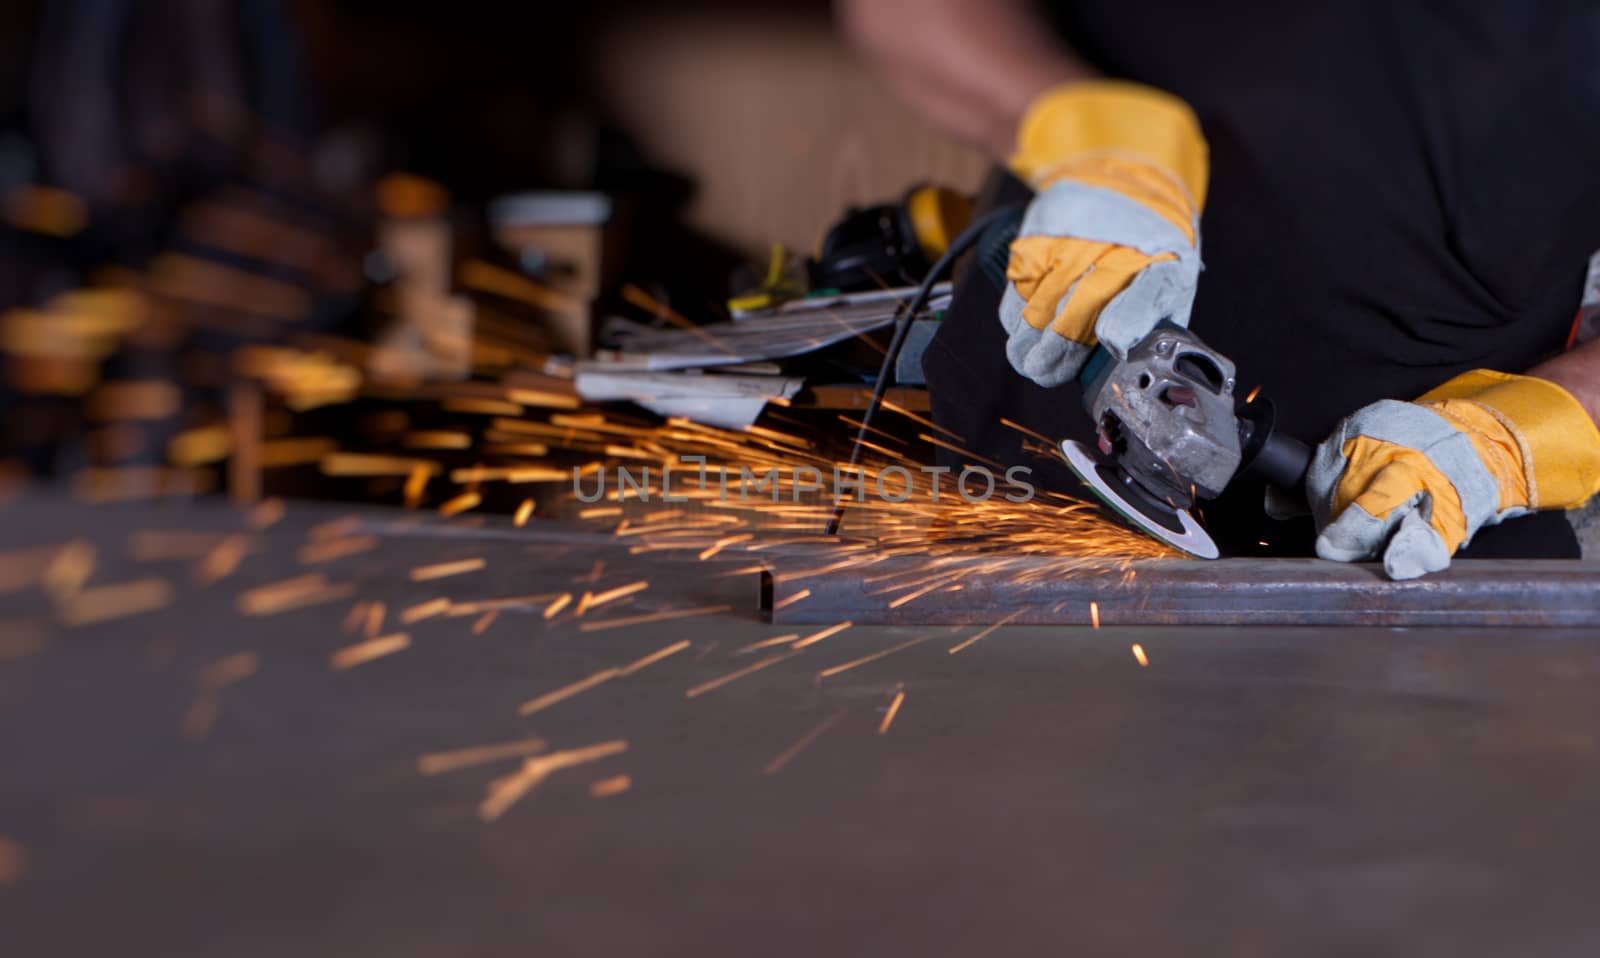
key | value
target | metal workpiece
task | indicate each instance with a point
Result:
(1259, 592)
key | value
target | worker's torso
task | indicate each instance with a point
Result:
(1401, 190)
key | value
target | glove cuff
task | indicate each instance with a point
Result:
(1118, 118)
(1560, 443)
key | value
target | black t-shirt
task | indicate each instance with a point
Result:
(1401, 191)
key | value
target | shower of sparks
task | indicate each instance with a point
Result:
(513, 436)
(854, 663)
(365, 651)
(507, 791)
(1139, 656)
(894, 709)
(788, 754)
(437, 763)
(444, 570)
(967, 643)
(607, 787)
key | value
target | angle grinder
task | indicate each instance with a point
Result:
(1169, 432)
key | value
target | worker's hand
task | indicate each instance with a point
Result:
(1110, 246)
(1414, 481)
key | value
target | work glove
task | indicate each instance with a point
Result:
(1414, 481)
(1110, 246)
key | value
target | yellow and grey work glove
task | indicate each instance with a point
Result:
(1110, 246)
(1414, 481)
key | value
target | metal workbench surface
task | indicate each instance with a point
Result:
(1034, 789)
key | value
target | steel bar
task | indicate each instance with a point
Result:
(1043, 591)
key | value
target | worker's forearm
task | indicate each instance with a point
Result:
(1578, 372)
(971, 66)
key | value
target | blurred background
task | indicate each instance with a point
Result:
(219, 214)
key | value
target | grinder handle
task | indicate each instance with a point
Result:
(1283, 461)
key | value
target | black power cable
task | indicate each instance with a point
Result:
(964, 240)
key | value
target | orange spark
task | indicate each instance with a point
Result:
(523, 512)
(544, 399)
(718, 683)
(607, 787)
(444, 570)
(561, 602)
(425, 610)
(437, 763)
(548, 699)
(362, 652)
(599, 512)
(655, 657)
(1139, 656)
(332, 550)
(265, 513)
(816, 637)
(334, 529)
(662, 616)
(201, 715)
(106, 602)
(787, 601)
(894, 709)
(784, 757)
(228, 670)
(768, 643)
(70, 569)
(853, 663)
(611, 595)
(296, 593)
(1252, 397)
(984, 634)
(374, 623)
(460, 504)
(222, 560)
(13, 860)
(506, 792)
(487, 619)
(1094, 614)
(416, 485)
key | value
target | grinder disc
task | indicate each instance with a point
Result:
(1175, 527)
